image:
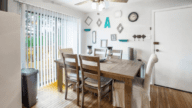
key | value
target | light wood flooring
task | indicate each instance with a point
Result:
(161, 97)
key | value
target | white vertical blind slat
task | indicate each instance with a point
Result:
(30, 37)
(46, 43)
(52, 46)
(27, 27)
(38, 76)
(49, 48)
(44, 47)
(34, 38)
(41, 52)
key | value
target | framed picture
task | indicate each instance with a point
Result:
(88, 21)
(104, 43)
(113, 37)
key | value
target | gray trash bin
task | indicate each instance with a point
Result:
(29, 86)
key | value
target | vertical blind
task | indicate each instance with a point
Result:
(45, 33)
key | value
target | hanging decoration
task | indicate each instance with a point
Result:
(120, 28)
(107, 23)
(88, 21)
(99, 22)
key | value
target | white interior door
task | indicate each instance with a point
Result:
(173, 30)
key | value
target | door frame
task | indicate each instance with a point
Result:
(153, 30)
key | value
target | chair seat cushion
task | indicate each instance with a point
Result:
(94, 83)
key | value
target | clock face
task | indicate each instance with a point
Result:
(133, 17)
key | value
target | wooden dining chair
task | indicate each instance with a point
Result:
(102, 53)
(66, 51)
(90, 68)
(117, 54)
(71, 73)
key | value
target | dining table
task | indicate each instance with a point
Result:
(122, 70)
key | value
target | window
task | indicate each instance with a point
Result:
(46, 32)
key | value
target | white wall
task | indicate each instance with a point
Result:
(10, 68)
(14, 7)
(142, 26)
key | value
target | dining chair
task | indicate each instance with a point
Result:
(90, 68)
(117, 90)
(102, 53)
(141, 87)
(117, 54)
(71, 73)
(66, 51)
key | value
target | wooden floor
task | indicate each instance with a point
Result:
(161, 97)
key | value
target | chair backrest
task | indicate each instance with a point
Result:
(100, 52)
(71, 64)
(66, 51)
(152, 60)
(117, 54)
(90, 67)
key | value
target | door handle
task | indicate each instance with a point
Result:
(157, 50)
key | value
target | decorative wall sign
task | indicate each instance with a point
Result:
(88, 21)
(104, 43)
(120, 28)
(113, 37)
(118, 14)
(107, 23)
(94, 36)
(99, 22)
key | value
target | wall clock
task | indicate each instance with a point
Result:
(133, 17)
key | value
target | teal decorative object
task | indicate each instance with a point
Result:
(107, 23)
(87, 29)
(123, 40)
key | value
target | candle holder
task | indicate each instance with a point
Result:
(89, 50)
(109, 52)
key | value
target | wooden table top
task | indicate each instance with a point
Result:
(116, 67)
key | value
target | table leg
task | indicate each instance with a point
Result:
(59, 77)
(128, 93)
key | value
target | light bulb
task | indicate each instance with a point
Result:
(94, 5)
(100, 7)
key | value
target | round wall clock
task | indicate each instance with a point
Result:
(133, 17)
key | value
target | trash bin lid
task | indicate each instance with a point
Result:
(28, 71)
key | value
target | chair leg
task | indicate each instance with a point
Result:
(82, 101)
(77, 89)
(110, 93)
(66, 89)
(99, 99)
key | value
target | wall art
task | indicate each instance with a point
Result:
(107, 23)
(94, 37)
(104, 43)
(88, 21)
(99, 22)
(113, 37)
(120, 28)
(118, 14)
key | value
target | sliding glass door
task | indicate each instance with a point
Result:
(46, 33)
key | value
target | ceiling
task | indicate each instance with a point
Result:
(84, 7)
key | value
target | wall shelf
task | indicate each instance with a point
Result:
(123, 40)
(87, 30)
